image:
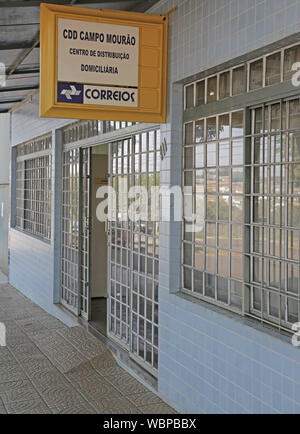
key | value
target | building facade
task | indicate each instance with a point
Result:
(205, 305)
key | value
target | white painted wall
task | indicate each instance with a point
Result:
(4, 189)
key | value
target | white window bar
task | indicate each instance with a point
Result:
(33, 187)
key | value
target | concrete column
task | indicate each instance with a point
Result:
(4, 189)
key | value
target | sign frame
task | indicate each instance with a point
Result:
(152, 92)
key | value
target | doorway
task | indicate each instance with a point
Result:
(98, 242)
(134, 249)
(110, 271)
(74, 294)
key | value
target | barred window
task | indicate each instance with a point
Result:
(212, 248)
(241, 228)
(83, 129)
(270, 69)
(275, 212)
(33, 187)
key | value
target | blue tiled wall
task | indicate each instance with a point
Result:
(209, 361)
(31, 271)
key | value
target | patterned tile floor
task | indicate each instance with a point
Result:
(47, 367)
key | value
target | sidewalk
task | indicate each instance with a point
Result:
(48, 367)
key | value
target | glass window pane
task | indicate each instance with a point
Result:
(237, 266)
(210, 260)
(225, 85)
(199, 156)
(223, 263)
(256, 75)
(294, 179)
(211, 209)
(237, 152)
(294, 212)
(224, 208)
(294, 118)
(236, 294)
(187, 254)
(237, 209)
(292, 310)
(275, 117)
(211, 154)
(276, 274)
(210, 285)
(293, 242)
(187, 278)
(211, 234)
(238, 78)
(237, 180)
(237, 237)
(237, 126)
(224, 154)
(199, 132)
(189, 133)
(188, 179)
(211, 181)
(200, 93)
(223, 235)
(224, 127)
(258, 120)
(188, 158)
(260, 149)
(199, 257)
(211, 129)
(189, 96)
(222, 289)
(224, 180)
(212, 89)
(293, 278)
(273, 66)
(274, 301)
(275, 242)
(294, 147)
(256, 299)
(198, 281)
(199, 234)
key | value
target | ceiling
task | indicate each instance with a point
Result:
(19, 44)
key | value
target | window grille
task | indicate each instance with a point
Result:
(33, 187)
(243, 170)
(270, 69)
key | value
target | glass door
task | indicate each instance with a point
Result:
(75, 231)
(133, 247)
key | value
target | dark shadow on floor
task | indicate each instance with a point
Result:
(99, 314)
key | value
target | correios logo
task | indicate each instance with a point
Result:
(69, 93)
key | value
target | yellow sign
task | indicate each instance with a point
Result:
(103, 64)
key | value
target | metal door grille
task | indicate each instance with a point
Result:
(133, 294)
(120, 242)
(85, 231)
(75, 231)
